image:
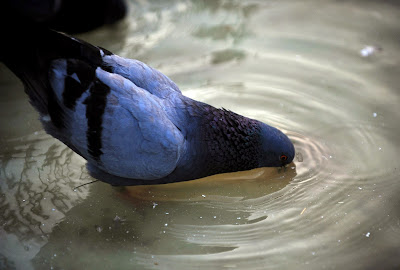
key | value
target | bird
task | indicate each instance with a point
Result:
(132, 123)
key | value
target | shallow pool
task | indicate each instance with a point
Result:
(324, 72)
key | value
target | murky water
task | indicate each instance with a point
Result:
(297, 65)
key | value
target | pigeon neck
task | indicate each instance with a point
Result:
(232, 141)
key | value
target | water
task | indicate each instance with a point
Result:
(297, 65)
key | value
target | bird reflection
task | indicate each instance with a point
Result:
(243, 185)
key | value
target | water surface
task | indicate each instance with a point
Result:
(297, 65)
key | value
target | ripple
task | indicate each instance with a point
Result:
(315, 157)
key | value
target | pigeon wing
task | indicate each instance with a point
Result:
(142, 75)
(117, 126)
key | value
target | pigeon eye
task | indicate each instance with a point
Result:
(283, 158)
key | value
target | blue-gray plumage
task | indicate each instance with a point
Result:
(129, 121)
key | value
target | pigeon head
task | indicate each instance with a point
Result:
(277, 149)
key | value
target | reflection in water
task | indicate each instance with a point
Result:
(226, 56)
(274, 61)
(240, 186)
(38, 175)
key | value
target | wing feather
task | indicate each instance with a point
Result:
(139, 140)
(117, 126)
(142, 75)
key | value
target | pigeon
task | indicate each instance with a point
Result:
(131, 123)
